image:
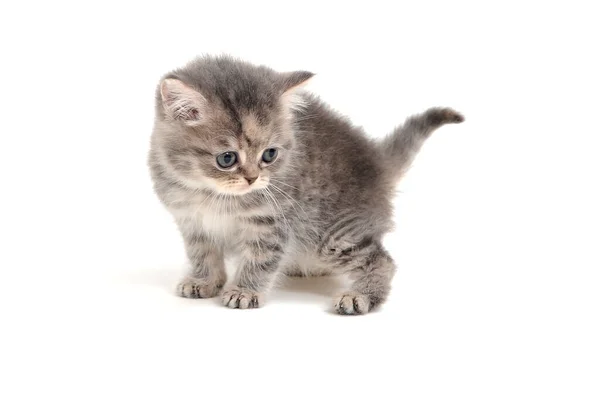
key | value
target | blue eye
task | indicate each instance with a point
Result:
(227, 160)
(269, 155)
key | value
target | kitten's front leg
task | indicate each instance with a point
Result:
(207, 275)
(262, 252)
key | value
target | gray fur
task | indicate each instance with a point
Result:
(322, 207)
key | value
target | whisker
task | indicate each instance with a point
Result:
(291, 199)
(283, 183)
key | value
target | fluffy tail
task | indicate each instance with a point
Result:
(401, 146)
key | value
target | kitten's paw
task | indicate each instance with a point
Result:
(351, 303)
(236, 297)
(194, 288)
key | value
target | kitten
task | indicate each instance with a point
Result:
(249, 164)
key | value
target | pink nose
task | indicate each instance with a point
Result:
(251, 180)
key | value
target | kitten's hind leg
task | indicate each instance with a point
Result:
(371, 268)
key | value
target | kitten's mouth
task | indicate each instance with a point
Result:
(244, 188)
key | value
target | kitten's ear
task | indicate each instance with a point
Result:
(292, 82)
(295, 80)
(182, 102)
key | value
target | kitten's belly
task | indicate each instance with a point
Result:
(305, 262)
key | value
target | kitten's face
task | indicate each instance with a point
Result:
(212, 148)
(236, 163)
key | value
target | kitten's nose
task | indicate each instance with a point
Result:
(250, 179)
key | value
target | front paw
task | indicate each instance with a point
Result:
(195, 288)
(236, 297)
(352, 303)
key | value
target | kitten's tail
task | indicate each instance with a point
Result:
(401, 146)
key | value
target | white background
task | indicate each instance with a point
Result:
(497, 235)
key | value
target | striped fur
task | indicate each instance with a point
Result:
(321, 207)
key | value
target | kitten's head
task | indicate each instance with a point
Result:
(226, 125)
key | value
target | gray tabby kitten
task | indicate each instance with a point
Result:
(250, 165)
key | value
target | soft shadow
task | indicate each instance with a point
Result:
(311, 289)
(317, 290)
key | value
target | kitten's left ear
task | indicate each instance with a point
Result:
(295, 80)
(291, 83)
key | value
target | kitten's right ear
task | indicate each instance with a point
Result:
(181, 102)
